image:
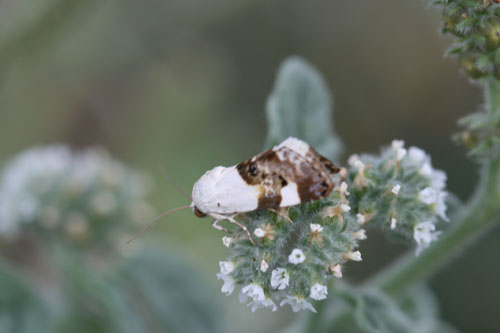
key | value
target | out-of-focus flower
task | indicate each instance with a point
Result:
(83, 196)
(318, 291)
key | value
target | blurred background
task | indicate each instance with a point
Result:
(182, 85)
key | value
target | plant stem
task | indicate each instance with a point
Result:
(493, 96)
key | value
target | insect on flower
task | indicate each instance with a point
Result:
(286, 175)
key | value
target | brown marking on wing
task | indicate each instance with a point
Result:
(272, 200)
(273, 171)
(329, 164)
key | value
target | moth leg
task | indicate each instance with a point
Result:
(219, 227)
(233, 221)
(283, 212)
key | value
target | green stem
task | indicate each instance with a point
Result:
(476, 217)
(493, 96)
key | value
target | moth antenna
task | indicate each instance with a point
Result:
(146, 227)
(171, 181)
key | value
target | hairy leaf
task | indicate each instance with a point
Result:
(300, 106)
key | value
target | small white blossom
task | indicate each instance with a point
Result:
(229, 283)
(395, 189)
(254, 291)
(226, 267)
(426, 170)
(360, 218)
(354, 256)
(263, 266)
(397, 146)
(393, 223)
(360, 234)
(227, 241)
(353, 159)
(318, 291)
(360, 166)
(280, 278)
(428, 196)
(297, 303)
(316, 227)
(440, 206)
(296, 257)
(345, 208)
(424, 233)
(266, 303)
(438, 179)
(417, 155)
(259, 232)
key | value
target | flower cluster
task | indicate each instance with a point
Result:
(294, 257)
(80, 196)
(400, 191)
(476, 23)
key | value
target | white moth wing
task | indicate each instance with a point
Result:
(289, 195)
(223, 191)
(298, 146)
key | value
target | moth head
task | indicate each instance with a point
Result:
(198, 212)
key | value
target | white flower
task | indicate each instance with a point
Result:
(296, 257)
(353, 159)
(397, 146)
(229, 283)
(259, 232)
(438, 179)
(263, 265)
(354, 256)
(360, 234)
(316, 227)
(393, 223)
(279, 278)
(318, 292)
(266, 303)
(400, 154)
(360, 218)
(227, 241)
(428, 196)
(226, 267)
(417, 155)
(424, 233)
(426, 170)
(297, 303)
(360, 166)
(254, 291)
(440, 206)
(395, 189)
(345, 208)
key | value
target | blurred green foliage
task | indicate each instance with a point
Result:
(183, 84)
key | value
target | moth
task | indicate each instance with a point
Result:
(286, 175)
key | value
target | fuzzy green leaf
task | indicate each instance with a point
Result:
(416, 311)
(300, 106)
